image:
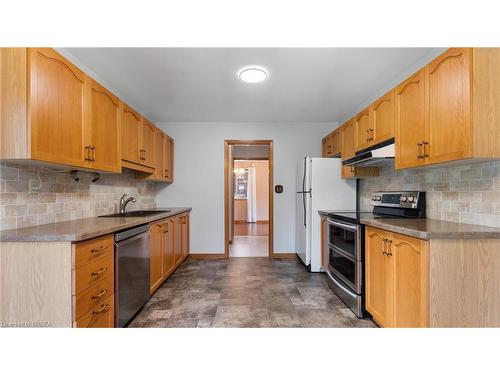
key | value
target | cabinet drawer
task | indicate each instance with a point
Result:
(87, 251)
(101, 316)
(92, 273)
(91, 297)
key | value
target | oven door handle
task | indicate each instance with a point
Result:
(353, 295)
(353, 228)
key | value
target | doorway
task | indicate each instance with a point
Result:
(248, 198)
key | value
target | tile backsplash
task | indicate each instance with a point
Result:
(465, 194)
(32, 196)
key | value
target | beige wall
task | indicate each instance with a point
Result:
(60, 198)
(262, 176)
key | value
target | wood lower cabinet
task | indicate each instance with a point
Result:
(101, 316)
(156, 243)
(169, 247)
(397, 279)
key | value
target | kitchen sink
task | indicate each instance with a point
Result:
(139, 213)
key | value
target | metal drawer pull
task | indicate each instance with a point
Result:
(102, 270)
(98, 249)
(101, 293)
(384, 246)
(389, 253)
(102, 309)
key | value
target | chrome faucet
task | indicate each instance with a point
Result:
(124, 202)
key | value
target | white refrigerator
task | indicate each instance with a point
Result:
(319, 187)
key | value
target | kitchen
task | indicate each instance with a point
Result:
(116, 187)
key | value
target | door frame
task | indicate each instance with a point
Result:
(229, 163)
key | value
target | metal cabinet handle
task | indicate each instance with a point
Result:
(87, 153)
(425, 155)
(102, 270)
(98, 249)
(101, 293)
(419, 154)
(384, 245)
(367, 135)
(93, 152)
(370, 134)
(389, 253)
(103, 308)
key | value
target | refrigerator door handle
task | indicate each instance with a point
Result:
(304, 203)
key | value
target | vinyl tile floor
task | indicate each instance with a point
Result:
(246, 292)
(249, 246)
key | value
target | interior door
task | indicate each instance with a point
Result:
(410, 122)
(377, 269)
(56, 108)
(103, 125)
(449, 128)
(148, 144)
(131, 135)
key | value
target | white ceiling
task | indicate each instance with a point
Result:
(200, 84)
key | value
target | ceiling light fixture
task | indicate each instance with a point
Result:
(253, 74)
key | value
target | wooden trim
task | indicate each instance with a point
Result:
(226, 192)
(207, 256)
(250, 159)
(284, 256)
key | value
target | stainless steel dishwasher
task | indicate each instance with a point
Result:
(131, 273)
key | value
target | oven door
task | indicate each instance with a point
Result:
(345, 237)
(346, 268)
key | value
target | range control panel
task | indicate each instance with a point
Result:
(402, 199)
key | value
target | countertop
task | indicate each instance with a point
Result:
(83, 229)
(428, 229)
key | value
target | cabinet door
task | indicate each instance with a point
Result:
(324, 147)
(160, 155)
(378, 276)
(148, 144)
(168, 248)
(178, 240)
(185, 235)
(449, 127)
(336, 141)
(169, 152)
(411, 281)
(383, 117)
(56, 108)
(156, 247)
(103, 128)
(349, 139)
(410, 121)
(364, 129)
(131, 135)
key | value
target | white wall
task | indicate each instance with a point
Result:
(199, 175)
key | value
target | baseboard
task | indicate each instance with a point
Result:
(245, 222)
(284, 256)
(207, 256)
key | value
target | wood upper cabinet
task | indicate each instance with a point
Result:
(160, 162)
(410, 282)
(56, 108)
(364, 129)
(397, 279)
(148, 156)
(102, 138)
(448, 88)
(410, 121)
(327, 146)
(169, 160)
(156, 261)
(383, 118)
(131, 135)
(332, 144)
(349, 139)
(378, 276)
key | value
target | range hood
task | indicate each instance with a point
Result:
(380, 155)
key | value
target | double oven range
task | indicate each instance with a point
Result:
(346, 242)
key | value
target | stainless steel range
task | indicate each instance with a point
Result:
(346, 248)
